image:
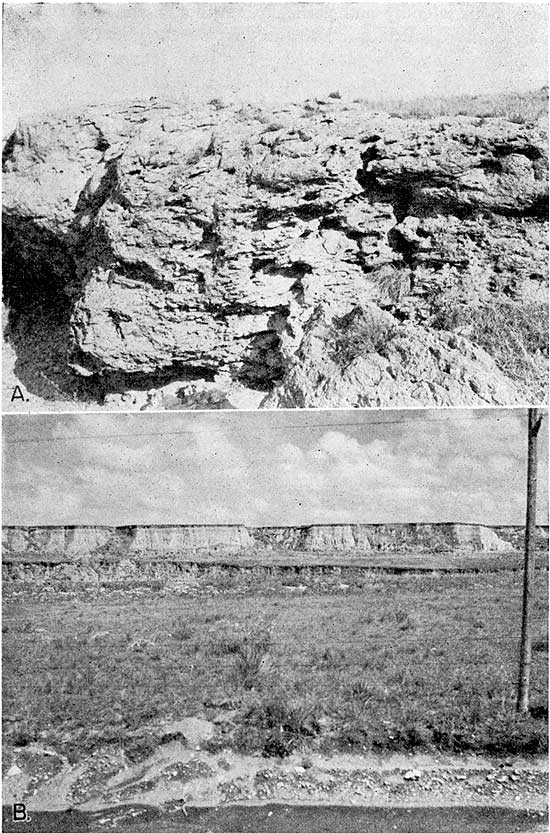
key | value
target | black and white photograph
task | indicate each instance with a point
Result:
(250, 205)
(274, 417)
(278, 610)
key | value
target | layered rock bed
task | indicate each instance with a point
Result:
(206, 560)
(317, 255)
(77, 542)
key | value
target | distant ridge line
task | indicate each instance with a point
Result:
(268, 526)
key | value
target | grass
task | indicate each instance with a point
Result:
(359, 333)
(516, 107)
(405, 662)
(393, 284)
(249, 644)
(515, 334)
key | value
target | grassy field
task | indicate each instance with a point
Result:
(517, 107)
(401, 662)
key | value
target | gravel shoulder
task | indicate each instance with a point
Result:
(190, 777)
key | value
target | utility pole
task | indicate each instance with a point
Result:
(534, 422)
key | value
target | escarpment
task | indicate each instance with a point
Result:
(172, 541)
(316, 255)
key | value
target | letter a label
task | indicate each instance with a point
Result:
(18, 395)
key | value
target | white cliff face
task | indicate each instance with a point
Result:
(338, 537)
(316, 537)
(174, 538)
(382, 537)
(56, 540)
(480, 538)
(81, 541)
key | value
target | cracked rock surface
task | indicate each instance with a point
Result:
(317, 255)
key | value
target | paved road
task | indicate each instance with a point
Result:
(284, 819)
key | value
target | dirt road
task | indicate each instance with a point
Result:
(287, 819)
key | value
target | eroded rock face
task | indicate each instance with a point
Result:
(76, 542)
(160, 245)
(403, 365)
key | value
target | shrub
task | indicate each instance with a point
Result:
(281, 723)
(359, 333)
(363, 692)
(22, 735)
(250, 647)
(514, 734)
(413, 737)
(394, 283)
(181, 629)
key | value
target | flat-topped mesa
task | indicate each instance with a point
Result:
(78, 542)
(383, 537)
(75, 541)
(196, 256)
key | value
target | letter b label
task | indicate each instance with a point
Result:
(20, 813)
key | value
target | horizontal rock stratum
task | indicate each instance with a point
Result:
(158, 255)
(75, 542)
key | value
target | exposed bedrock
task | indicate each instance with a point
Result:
(193, 252)
(77, 542)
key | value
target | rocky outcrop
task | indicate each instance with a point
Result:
(56, 540)
(80, 542)
(211, 257)
(75, 541)
(378, 364)
(382, 537)
(515, 535)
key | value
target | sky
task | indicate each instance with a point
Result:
(262, 468)
(63, 56)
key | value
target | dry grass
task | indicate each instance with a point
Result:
(516, 107)
(358, 333)
(514, 333)
(394, 284)
(403, 662)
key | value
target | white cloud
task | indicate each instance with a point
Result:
(263, 468)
